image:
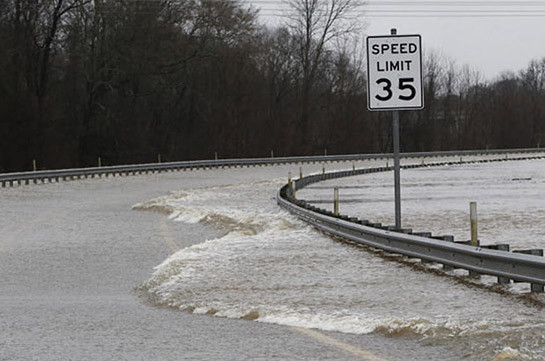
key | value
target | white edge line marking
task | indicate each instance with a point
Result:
(356, 351)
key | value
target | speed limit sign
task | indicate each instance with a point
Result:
(394, 72)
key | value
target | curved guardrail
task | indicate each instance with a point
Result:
(10, 179)
(494, 260)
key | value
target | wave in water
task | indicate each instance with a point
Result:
(272, 268)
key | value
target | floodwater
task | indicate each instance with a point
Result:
(203, 265)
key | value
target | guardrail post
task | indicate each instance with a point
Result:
(448, 238)
(474, 274)
(534, 287)
(336, 201)
(503, 247)
(300, 172)
(473, 221)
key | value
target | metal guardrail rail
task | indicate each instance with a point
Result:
(494, 260)
(42, 176)
(506, 265)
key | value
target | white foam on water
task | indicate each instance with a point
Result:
(273, 268)
(511, 354)
(342, 322)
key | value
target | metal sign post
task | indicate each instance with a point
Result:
(397, 174)
(394, 82)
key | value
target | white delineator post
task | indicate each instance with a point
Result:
(336, 201)
(473, 221)
(291, 184)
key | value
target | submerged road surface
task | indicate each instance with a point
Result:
(203, 265)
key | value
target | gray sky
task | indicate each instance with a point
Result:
(491, 35)
(492, 45)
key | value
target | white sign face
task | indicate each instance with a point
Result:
(394, 72)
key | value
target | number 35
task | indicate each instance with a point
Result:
(402, 86)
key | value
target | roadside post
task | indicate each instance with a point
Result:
(473, 221)
(336, 201)
(394, 83)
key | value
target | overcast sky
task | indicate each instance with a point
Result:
(492, 35)
(492, 45)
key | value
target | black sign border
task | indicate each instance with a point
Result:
(368, 72)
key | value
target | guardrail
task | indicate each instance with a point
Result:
(11, 179)
(494, 260)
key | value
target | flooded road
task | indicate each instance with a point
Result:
(203, 265)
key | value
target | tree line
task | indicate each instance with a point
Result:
(131, 80)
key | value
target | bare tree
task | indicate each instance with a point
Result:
(533, 81)
(45, 19)
(470, 86)
(315, 23)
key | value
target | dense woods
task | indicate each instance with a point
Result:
(128, 80)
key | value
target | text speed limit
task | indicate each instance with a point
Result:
(394, 69)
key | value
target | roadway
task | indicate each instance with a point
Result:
(73, 254)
